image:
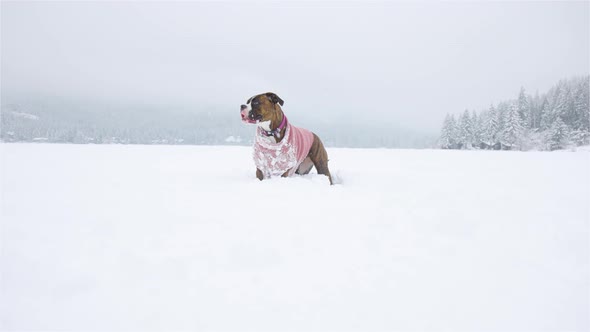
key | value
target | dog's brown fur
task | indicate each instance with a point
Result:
(267, 106)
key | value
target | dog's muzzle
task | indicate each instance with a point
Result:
(247, 115)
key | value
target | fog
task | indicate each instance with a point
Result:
(401, 63)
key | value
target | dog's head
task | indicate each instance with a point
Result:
(261, 108)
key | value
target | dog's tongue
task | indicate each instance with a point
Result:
(245, 119)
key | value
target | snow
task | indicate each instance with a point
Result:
(233, 139)
(119, 237)
(585, 148)
(24, 115)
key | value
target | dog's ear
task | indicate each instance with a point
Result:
(274, 98)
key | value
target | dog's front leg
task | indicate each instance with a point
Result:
(259, 174)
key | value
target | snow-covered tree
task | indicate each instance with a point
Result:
(581, 108)
(448, 136)
(579, 137)
(513, 128)
(536, 108)
(490, 133)
(563, 103)
(558, 135)
(465, 131)
(547, 115)
(524, 108)
(477, 125)
(501, 111)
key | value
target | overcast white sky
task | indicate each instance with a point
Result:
(410, 63)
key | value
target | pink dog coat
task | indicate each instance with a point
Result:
(275, 159)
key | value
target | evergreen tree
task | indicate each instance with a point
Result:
(562, 103)
(535, 105)
(580, 127)
(547, 115)
(581, 108)
(477, 124)
(465, 131)
(524, 108)
(558, 135)
(501, 111)
(513, 129)
(448, 137)
(491, 127)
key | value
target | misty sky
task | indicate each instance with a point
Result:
(372, 62)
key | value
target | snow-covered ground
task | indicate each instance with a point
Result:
(135, 238)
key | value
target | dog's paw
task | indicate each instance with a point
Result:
(337, 177)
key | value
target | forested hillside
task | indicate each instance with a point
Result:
(554, 120)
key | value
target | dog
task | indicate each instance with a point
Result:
(281, 149)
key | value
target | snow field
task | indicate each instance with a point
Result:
(114, 237)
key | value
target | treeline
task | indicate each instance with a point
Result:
(555, 120)
(81, 124)
(94, 123)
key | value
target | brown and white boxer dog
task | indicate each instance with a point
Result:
(281, 149)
